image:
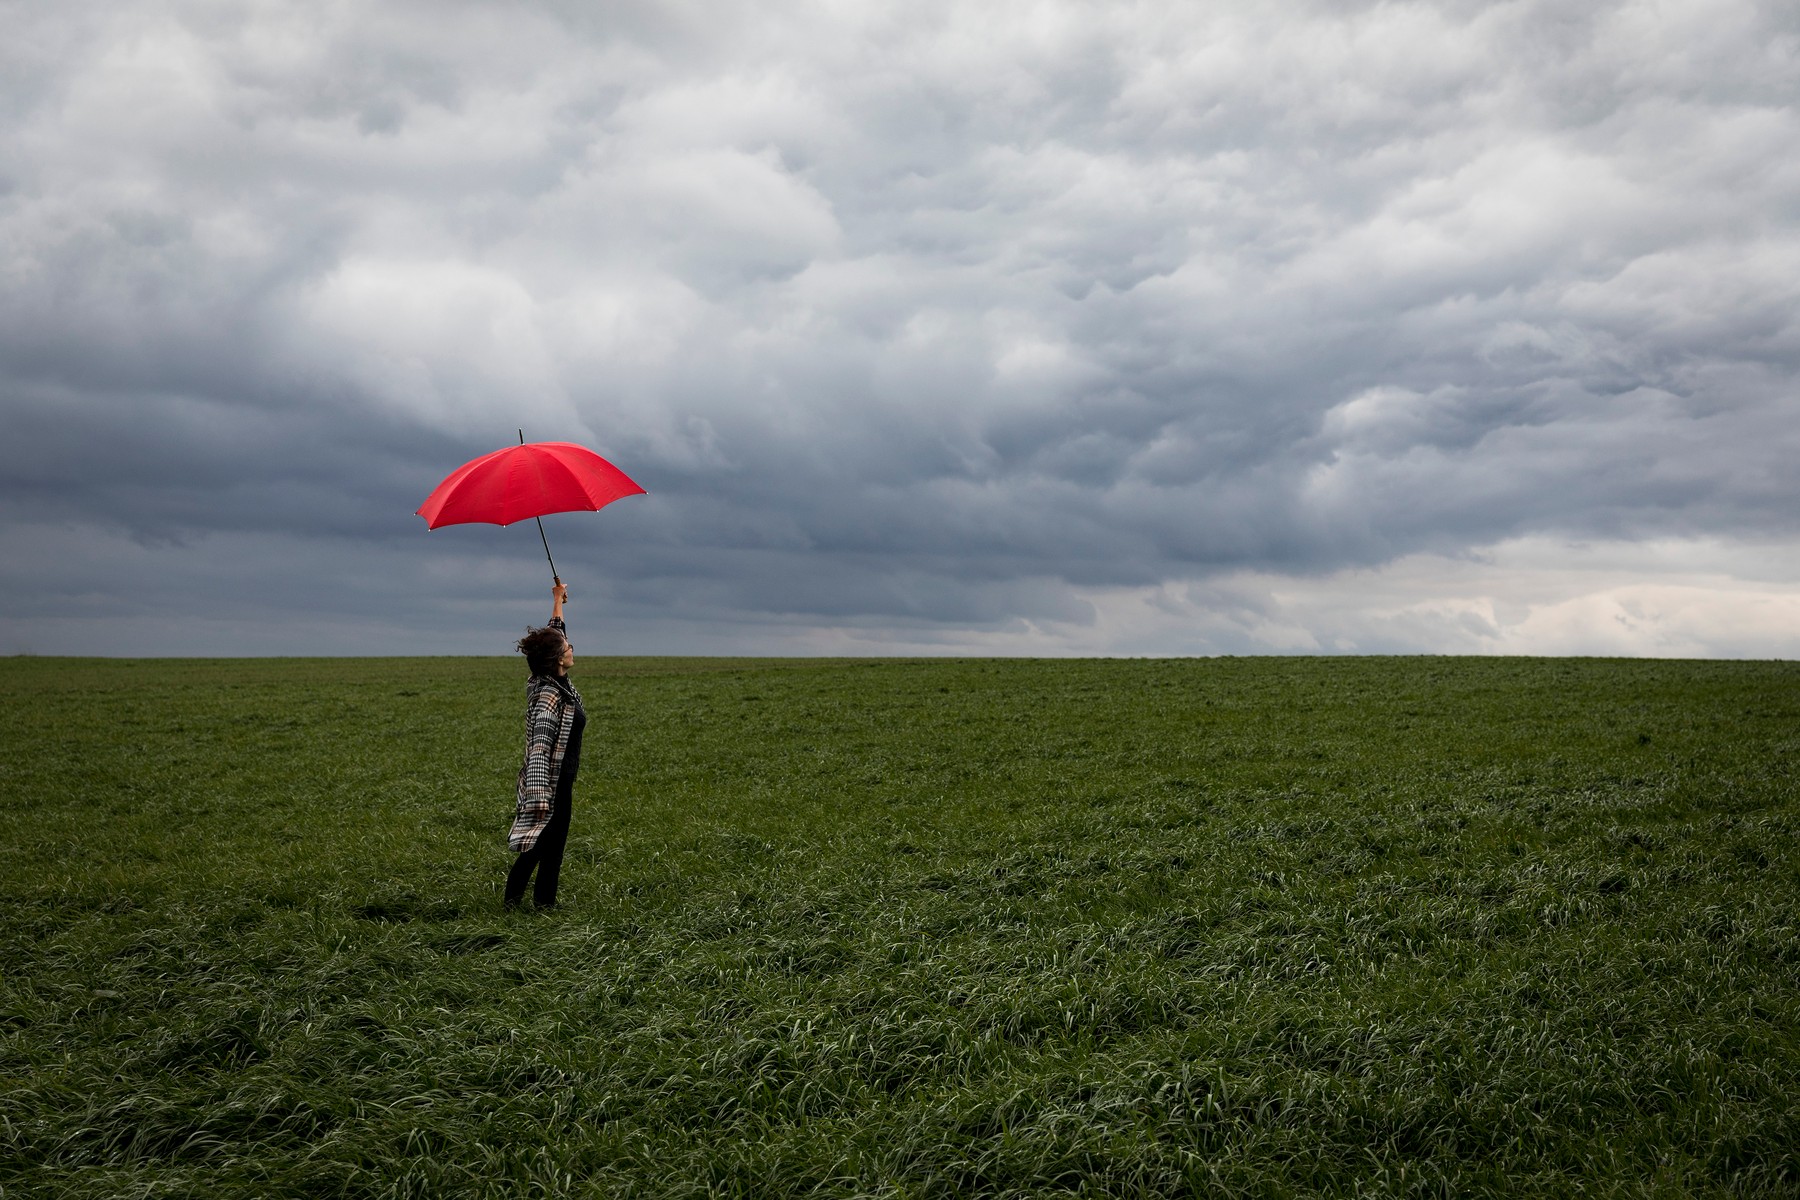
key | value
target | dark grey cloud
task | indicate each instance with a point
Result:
(957, 326)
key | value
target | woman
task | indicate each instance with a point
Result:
(554, 720)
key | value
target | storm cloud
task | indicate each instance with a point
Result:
(1016, 328)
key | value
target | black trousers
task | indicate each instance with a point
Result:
(546, 855)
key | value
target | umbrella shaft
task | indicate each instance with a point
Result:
(540, 525)
(546, 541)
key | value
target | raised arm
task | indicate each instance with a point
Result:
(558, 593)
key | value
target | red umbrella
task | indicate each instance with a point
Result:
(527, 480)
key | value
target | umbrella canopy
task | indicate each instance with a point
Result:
(524, 481)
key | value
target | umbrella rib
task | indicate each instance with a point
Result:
(580, 484)
(570, 474)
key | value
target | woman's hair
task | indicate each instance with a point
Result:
(542, 648)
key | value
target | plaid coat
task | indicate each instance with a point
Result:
(549, 719)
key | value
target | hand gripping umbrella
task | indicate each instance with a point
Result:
(527, 480)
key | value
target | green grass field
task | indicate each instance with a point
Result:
(905, 928)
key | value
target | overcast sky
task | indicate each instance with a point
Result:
(1022, 328)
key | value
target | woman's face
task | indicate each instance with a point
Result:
(568, 656)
